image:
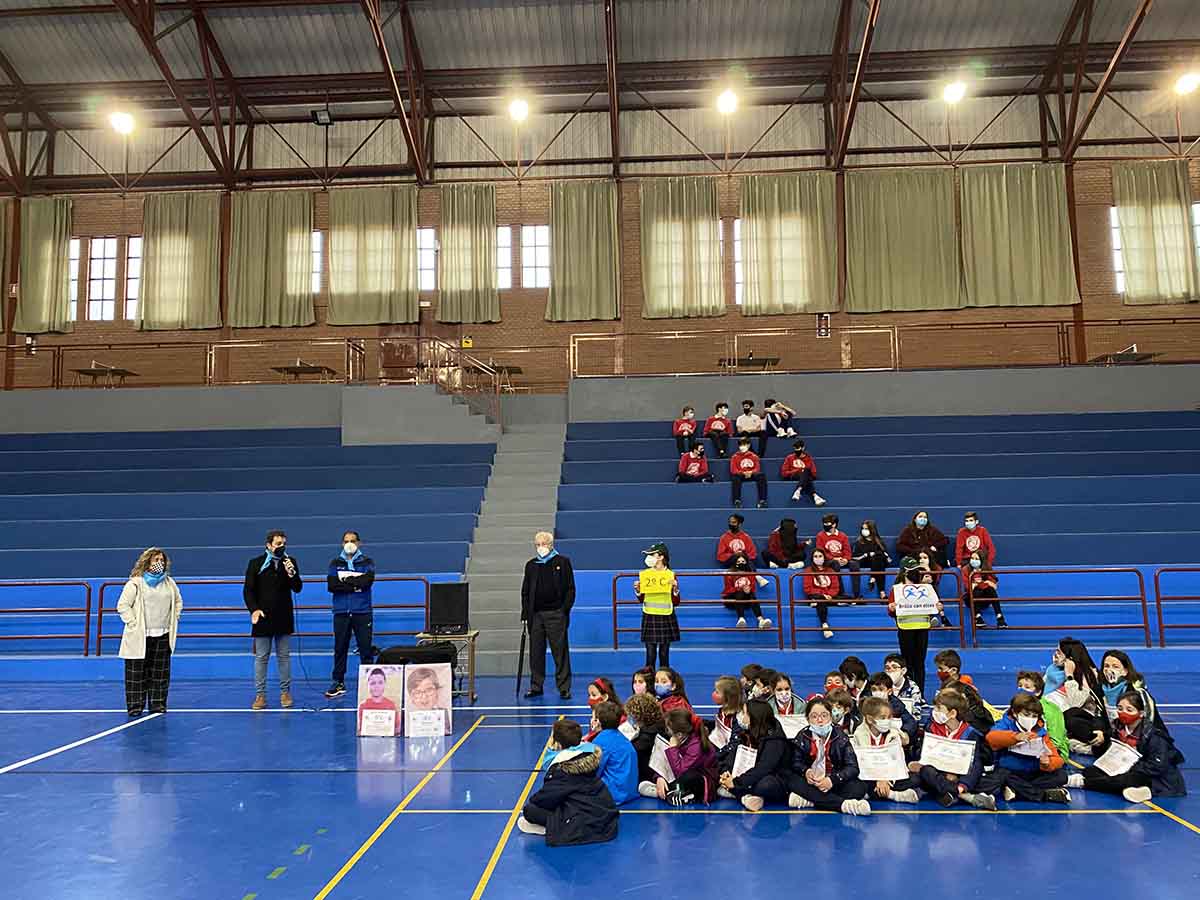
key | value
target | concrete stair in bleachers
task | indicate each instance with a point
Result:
(520, 499)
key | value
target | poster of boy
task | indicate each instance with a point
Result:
(427, 700)
(380, 689)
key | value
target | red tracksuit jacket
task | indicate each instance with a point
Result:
(795, 463)
(732, 544)
(718, 424)
(683, 427)
(739, 581)
(820, 581)
(835, 546)
(693, 466)
(970, 541)
(746, 463)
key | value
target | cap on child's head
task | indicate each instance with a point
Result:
(660, 548)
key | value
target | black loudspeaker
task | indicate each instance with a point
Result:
(448, 604)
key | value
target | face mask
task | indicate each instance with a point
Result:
(349, 548)
(866, 532)
(639, 687)
(976, 563)
(594, 702)
(818, 561)
(723, 411)
(943, 676)
(689, 415)
(1128, 718)
(735, 527)
(799, 450)
(662, 690)
(744, 448)
(279, 551)
(743, 565)
(718, 699)
(650, 561)
(838, 714)
(922, 521)
(543, 552)
(760, 692)
(941, 716)
(1112, 676)
(897, 677)
(822, 730)
(1029, 691)
(156, 567)
(1027, 723)
(882, 695)
(883, 725)
(783, 698)
(970, 523)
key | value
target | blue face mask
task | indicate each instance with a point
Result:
(971, 525)
(662, 690)
(976, 563)
(1022, 690)
(822, 730)
(922, 521)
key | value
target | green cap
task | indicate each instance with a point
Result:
(909, 563)
(658, 547)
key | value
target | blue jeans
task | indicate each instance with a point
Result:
(283, 658)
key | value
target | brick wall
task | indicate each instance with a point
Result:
(635, 345)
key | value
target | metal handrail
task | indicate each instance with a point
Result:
(86, 609)
(804, 601)
(616, 602)
(1143, 626)
(1160, 598)
(184, 582)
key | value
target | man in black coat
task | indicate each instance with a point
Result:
(547, 595)
(271, 579)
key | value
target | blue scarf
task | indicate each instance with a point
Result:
(153, 580)
(542, 560)
(271, 558)
(1113, 692)
(351, 560)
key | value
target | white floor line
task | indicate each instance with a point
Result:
(87, 740)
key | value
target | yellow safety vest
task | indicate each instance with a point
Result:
(909, 623)
(655, 587)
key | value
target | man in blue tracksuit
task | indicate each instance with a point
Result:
(351, 575)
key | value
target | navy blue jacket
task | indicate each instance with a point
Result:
(352, 595)
(843, 764)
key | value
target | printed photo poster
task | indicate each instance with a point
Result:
(427, 692)
(380, 694)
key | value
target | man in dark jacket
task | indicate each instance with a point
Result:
(547, 595)
(271, 579)
(573, 806)
(351, 574)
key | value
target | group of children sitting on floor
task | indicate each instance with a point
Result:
(862, 739)
(745, 465)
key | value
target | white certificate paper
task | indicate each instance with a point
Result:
(884, 763)
(947, 755)
(425, 722)
(744, 761)
(720, 734)
(1117, 759)
(792, 725)
(658, 759)
(378, 723)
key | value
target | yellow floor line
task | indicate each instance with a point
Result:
(401, 807)
(1170, 815)
(513, 814)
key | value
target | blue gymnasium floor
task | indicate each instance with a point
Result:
(213, 801)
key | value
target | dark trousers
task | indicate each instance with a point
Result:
(1031, 785)
(685, 442)
(680, 478)
(986, 597)
(822, 605)
(855, 578)
(690, 786)
(149, 678)
(362, 626)
(934, 781)
(549, 625)
(720, 443)
(662, 651)
(914, 647)
(875, 562)
(828, 800)
(736, 482)
(1095, 780)
(536, 815)
(804, 481)
(1082, 725)
(742, 603)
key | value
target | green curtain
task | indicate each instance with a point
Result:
(181, 268)
(373, 256)
(901, 246)
(1016, 235)
(789, 244)
(681, 249)
(1154, 220)
(270, 259)
(44, 296)
(585, 281)
(467, 262)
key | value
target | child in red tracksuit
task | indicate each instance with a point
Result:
(740, 590)
(718, 428)
(820, 587)
(735, 542)
(684, 429)
(971, 537)
(693, 467)
(1028, 775)
(984, 587)
(837, 548)
(799, 466)
(746, 466)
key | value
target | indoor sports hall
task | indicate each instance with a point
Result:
(516, 448)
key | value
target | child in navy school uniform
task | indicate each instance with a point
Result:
(880, 687)
(766, 779)
(824, 772)
(948, 720)
(877, 730)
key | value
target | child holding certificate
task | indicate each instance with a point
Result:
(644, 714)
(951, 764)
(765, 778)
(1030, 764)
(879, 729)
(692, 760)
(731, 713)
(824, 771)
(1142, 761)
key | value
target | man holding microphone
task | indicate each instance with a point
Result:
(271, 579)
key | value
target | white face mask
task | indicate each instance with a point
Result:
(783, 698)
(650, 561)
(883, 725)
(350, 548)
(1112, 676)
(897, 677)
(1027, 723)
(882, 695)
(543, 551)
(941, 716)
(866, 532)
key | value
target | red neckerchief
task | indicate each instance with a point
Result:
(787, 711)
(882, 738)
(726, 719)
(943, 731)
(1126, 735)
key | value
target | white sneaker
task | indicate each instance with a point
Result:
(795, 801)
(818, 500)
(981, 801)
(528, 827)
(856, 807)
(1137, 794)
(764, 622)
(826, 631)
(762, 582)
(1075, 780)
(796, 494)
(753, 803)
(1010, 795)
(724, 792)
(908, 796)
(741, 622)
(648, 789)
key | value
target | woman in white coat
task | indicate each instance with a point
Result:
(150, 606)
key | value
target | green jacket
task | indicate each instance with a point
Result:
(1056, 728)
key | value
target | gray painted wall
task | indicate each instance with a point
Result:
(942, 392)
(533, 409)
(171, 409)
(410, 415)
